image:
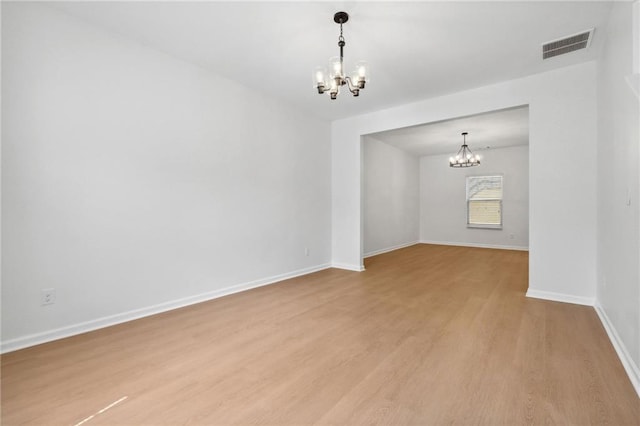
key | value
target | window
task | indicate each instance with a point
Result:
(484, 202)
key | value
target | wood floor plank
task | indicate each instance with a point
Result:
(420, 337)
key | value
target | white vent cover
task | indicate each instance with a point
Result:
(567, 44)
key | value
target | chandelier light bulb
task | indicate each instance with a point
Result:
(333, 91)
(336, 68)
(320, 79)
(362, 68)
(361, 74)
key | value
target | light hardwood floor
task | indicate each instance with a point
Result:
(427, 335)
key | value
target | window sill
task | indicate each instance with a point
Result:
(483, 226)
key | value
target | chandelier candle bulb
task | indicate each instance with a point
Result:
(319, 80)
(336, 68)
(333, 92)
(361, 75)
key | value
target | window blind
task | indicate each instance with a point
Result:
(484, 201)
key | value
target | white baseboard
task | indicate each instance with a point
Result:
(627, 362)
(348, 267)
(72, 330)
(388, 249)
(465, 244)
(561, 297)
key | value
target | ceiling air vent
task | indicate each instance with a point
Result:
(567, 44)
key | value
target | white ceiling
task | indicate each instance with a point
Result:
(492, 130)
(416, 50)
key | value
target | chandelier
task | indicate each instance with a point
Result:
(332, 81)
(464, 157)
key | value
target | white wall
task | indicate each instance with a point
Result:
(562, 195)
(618, 287)
(390, 199)
(443, 200)
(133, 182)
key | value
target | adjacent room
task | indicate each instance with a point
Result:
(411, 194)
(340, 213)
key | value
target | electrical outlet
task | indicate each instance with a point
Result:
(511, 236)
(306, 251)
(48, 296)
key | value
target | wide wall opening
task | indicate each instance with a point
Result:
(411, 194)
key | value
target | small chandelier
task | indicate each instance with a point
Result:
(464, 157)
(331, 82)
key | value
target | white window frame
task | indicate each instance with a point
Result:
(468, 200)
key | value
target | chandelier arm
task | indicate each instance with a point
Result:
(353, 88)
